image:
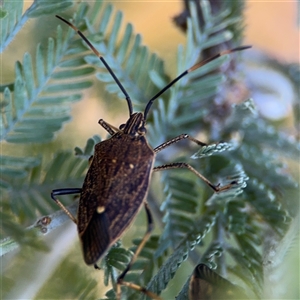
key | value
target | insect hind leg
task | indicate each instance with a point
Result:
(131, 285)
(66, 191)
(180, 165)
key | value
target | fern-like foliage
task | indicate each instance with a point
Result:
(37, 106)
(225, 230)
(12, 19)
(31, 199)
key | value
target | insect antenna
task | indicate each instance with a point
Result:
(129, 103)
(196, 66)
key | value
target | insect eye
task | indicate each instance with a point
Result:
(142, 130)
(122, 126)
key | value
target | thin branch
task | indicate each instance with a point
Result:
(41, 227)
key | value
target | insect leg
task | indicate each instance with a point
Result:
(179, 165)
(177, 139)
(67, 191)
(136, 254)
(108, 127)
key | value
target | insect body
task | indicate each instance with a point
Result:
(116, 185)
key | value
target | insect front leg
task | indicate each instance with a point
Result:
(131, 285)
(67, 191)
(108, 127)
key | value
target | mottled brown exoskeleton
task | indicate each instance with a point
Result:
(117, 182)
(205, 284)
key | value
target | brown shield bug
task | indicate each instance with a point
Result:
(117, 182)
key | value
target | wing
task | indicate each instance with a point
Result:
(126, 200)
(124, 167)
(96, 238)
(92, 220)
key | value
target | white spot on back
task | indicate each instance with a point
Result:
(100, 209)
